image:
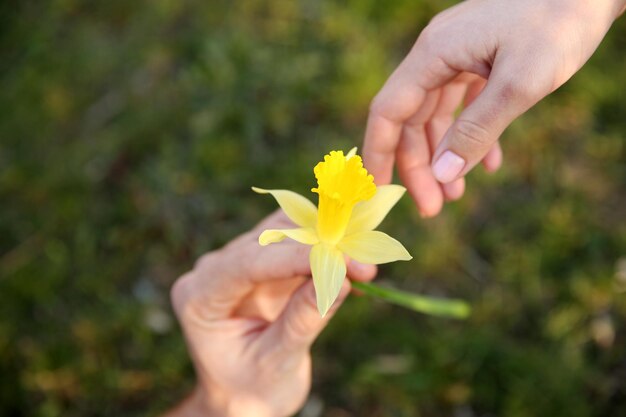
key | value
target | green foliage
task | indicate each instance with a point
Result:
(131, 132)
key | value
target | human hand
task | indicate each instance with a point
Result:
(502, 57)
(249, 316)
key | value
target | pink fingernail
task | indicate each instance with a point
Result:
(448, 167)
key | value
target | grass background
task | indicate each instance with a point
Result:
(131, 132)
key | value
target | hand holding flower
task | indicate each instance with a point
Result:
(249, 317)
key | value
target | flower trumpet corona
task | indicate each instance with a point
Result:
(350, 207)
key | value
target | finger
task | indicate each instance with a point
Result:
(454, 190)
(361, 272)
(276, 220)
(415, 172)
(478, 127)
(413, 156)
(355, 270)
(222, 278)
(267, 300)
(400, 98)
(300, 322)
(473, 90)
(443, 117)
(493, 160)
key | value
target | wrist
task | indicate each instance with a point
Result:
(206, 403)
(196, 405)
(199, 405)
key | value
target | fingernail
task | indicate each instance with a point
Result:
(448, 167)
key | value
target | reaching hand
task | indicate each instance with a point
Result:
(249, 316)
(501, 57)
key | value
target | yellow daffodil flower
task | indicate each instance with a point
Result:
(350, 207)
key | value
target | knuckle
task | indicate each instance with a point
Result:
(511, 89)
(295, 330)
(430, 33)
(377, 106)
(437, 33)
(180, 293)
(298, 331)
(245, 260)
(303, 323)
(440, 17)
(204, 262)
(520, 91)
(191, 303)
(471, 134)
(185, 293)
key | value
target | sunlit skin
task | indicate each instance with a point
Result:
(247, 312)
(350, 207)
(250, 314)
(249, 317)
(498, 58)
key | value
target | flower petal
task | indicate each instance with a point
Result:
(308, 236)
(298, 208)
(351, 153)
(328, 268)
(367, 215)
(373, 247)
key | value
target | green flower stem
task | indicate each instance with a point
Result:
(428, 305)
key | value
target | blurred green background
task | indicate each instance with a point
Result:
(131, 132)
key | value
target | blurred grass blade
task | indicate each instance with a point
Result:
(428, 305)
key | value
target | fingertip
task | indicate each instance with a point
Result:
(429, 204)
(454, 190)
(361, 272)
(424, 191)
(493, 160)
(430, 212)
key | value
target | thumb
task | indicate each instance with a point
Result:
(300, 322)
(479, 126)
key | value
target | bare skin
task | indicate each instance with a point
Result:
(248, 313)
(499, 57)
(249, 316)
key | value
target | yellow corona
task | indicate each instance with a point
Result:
(350, 208)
